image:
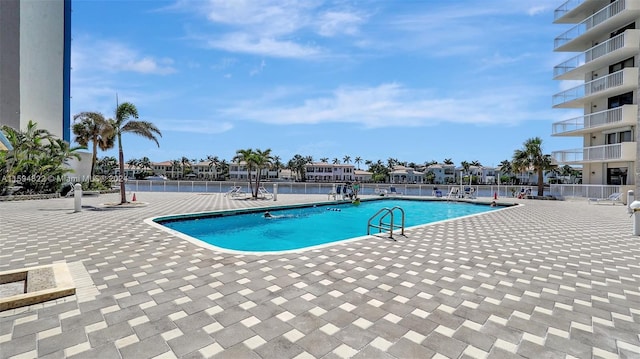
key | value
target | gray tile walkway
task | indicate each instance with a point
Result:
(544, 280)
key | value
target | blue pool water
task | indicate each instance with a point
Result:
(296, 228)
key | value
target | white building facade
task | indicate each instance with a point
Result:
(35, 65)
(606, 37)
(328, 172)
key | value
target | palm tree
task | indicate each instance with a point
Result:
(213, 164)
(107, 165)
(465, 169)
(185, 164)
(447, 161)
(324, 160)
(145, 163)
(36, 154)
(261, 160)
(391, 163)
(175, 168)
(505, 167)
(531, 157)
(277, 165)
(336, 161)
(126, 122)
(346, 159)
(133, 163)
(246, 156)
(224, 169)
(357, 161)
(92, 127)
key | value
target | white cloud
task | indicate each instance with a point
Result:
(258, 69)
(274, 28)
(114, 56)
(194, 126)
(393, 105)
(245, 43)
(332, 23)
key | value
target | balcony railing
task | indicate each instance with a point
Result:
(614, 116)
(565, 8)
(592, 21)
(593, 53)
(594, 87)
(617, 152)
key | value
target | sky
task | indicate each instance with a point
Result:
(418, 81)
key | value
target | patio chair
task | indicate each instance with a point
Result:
(470, 192)
(394, 192)
(380, 191)
(235, 191)
(613, 199)
(263, 193)
(335, 192)
(454, 192)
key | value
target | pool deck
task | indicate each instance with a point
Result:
(549, 279)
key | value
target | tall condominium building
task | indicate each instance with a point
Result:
(35, 64)
(605, 34)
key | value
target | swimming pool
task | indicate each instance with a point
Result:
(308, 226)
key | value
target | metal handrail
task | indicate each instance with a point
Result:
(386, 226)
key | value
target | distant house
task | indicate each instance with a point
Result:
(443, 173)
(363, 176)
(328, 172)
(238, 171)
(402, 174)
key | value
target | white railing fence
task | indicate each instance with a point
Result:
(501, 191)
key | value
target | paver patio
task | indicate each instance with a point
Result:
(549, 279)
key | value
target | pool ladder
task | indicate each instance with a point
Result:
(389, 226)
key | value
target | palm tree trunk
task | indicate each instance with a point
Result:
(94, 158)
(540, 183)
(123, 194)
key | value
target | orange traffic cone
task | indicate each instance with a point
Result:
(134, 198)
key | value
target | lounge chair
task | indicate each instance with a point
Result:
(345, 192)
(235, 191)
(381, 191)
(613, 199)
(394, 192)
(454, 192)
(469, 192)
(335, 192)
(262, 192)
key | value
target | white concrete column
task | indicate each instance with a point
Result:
(77, 197)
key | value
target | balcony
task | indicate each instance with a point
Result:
(625, 151)
(610, 18)
(626, 115)
(614, 84)
(611, 51)
(574, 11)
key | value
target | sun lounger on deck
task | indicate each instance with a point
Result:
(263, 193)
(612, 199)
(235, 191)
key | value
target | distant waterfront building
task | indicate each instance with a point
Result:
(606, 36)
(442, 173)
(35, 64)
(328, 172)
(402, 174)
(238, 171)
(363, 176)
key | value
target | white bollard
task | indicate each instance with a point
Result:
(77, 197)
(275, 191)
(635, 207)
(630, 198)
